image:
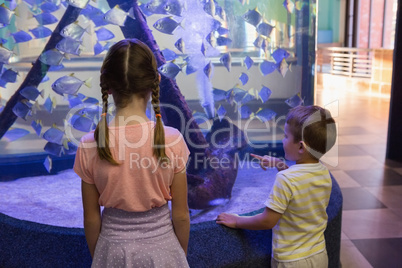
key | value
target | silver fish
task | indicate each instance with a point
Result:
(166, 25)
(226, 61)
(264, 94)
(73, 31)
(219, 94)
(53, 148)
(249, 62)
(51, 57)
(265, 114)
(245, 112)
(174, 7)
(15, 134)
(117, 16)
(78, 3)
(104, 34)
(264, 29)
(203, 49)
(211, 39)
(180, 45)
(70, 46)
(21, 36)
(82, 123)
(54, 135)
(169, 70)
(37, 126)
(208, 69)
(22, 109)
(169, 54)
(48, 164)
(253, 17)
(221, 112)
(9, 76)
(295, 100)
(5, 15)
(5, 55)
(243, 78)
(209, 8)
(283, 67)
(31, 93)
(69, 84)
(50, 104)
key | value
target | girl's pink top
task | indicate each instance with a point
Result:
(140, 182)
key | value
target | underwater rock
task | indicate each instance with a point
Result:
(208, 180)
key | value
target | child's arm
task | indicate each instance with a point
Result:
(92, 216)
(180, 212)
(266, 220)
(270, 162)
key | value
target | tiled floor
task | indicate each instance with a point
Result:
(371, 186)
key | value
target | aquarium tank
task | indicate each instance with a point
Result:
(231, 70)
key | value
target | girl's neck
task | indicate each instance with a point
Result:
(132, 114)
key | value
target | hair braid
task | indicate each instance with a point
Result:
(159, 133)
(102, 131)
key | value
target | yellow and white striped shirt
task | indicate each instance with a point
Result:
(301, 194)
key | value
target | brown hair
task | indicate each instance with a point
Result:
(314, 126)
(129, 69)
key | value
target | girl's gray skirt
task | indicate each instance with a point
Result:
(138, 239)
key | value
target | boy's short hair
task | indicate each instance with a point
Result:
(314, 126)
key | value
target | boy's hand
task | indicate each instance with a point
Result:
(267, 161)
(227, 219)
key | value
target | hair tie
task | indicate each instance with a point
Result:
(158, 115)
(104, 114)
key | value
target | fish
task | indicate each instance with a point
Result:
(222, 31)
(209, 8)
(69, 147)
(69, 84)
(82, 123)
(245, 112)
(219, 94)
(50, 104)
(267, 67)
(226, 61)
(54, 68)
(46, 18)
(49, 7)
(215, 25)
(208, 69)
(74, 100)
(73, 31)
(78, 3)
(21, 37)
(264, 29)
(117, 16)
(243, 78)
(265, 114)
(173, 7)
(223, 41)
(279, 54)
(264, 94)
(258, 41)
(289, 5)
(252, 16)
(9, 76)
(190, 68)
(70, 46)
(211, 39)
(15, 134)
(166, 25)
(5, 55)
(31, 93)
(3, 41)
(37, 126)
(51, 57)
(108, 45)
(169, 54)
(99, 20)
(41, 32)
(91, 111)
(48, 164)
(221, 112)
(22, 109)
(154, 7)
(90, 11)
(3, 83)
(45, 79)
(98, 48)
(248, 62)
(169, 70)
(283, 67)
(247, 98)
(104, 34)
(91, 100)
(238, 94)
(203, 49)
(295, 100)
(5, 15)
(54, 135)
(53, 148)
(220, 12)
(180, 45)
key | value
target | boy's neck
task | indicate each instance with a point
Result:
(307, 159)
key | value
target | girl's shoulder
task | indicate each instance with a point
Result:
(172, 133)
(88, 138)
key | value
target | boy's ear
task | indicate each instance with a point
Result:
(302, 147)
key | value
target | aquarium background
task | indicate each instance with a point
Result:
(291, 32)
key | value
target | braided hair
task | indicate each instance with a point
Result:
(129, 69)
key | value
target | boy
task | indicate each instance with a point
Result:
(296, 207)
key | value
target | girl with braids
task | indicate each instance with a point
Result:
(132, 167)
